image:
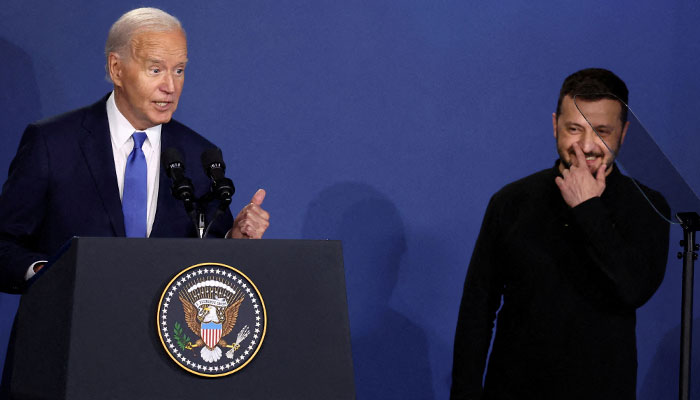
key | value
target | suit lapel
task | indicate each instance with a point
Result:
(96, 145)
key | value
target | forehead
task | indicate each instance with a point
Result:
(604, 110)
(169, 45)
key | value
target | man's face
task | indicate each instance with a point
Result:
(148, 83)
(571, 127)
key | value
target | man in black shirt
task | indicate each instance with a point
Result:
(571, 252)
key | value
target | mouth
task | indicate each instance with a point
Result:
(162, 105)
(593, 162)
(589, 156)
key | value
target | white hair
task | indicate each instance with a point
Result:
(145, 19)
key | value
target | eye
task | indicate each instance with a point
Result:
(179, 71)
(155, 70)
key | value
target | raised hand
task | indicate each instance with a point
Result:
(577, 184)
(252, 221)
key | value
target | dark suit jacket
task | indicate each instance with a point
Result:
(62, 183)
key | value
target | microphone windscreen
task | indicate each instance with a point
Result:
(169, 156)
(212, 156)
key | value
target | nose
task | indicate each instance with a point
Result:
(167, 84)
(588, 141)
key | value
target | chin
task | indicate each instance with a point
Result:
(162, 119)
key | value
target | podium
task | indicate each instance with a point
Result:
(87, 328)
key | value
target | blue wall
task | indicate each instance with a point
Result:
(387, 124)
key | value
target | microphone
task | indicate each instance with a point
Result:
(214, 167)
(181, 188)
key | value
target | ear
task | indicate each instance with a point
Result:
(116, 68)
(554, 124)
(624, 132)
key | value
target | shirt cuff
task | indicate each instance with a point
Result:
(30, 272)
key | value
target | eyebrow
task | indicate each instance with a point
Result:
(158, 61)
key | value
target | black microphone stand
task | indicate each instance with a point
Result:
(182, 189)
(221, 188)
(224, 201)
(201, 224)
(690, 222)
(196, 207)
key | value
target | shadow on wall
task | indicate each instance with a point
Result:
(661, 382)
(390, 352)
(20, 105)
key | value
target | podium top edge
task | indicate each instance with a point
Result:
(101, 238)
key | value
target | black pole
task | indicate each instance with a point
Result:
(691, 224)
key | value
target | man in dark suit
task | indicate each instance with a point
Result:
(71, 175)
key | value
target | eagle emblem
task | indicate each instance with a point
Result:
(224, 319)
(211, 310)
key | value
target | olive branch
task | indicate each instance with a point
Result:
(180, 338)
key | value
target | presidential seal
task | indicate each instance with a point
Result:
(211, 319)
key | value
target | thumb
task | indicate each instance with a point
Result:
(600, 175)
(258, 197)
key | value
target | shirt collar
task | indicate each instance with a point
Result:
(121, 129)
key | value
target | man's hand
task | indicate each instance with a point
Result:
(577, 184)
(252, 221)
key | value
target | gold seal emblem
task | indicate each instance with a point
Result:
(211, 319)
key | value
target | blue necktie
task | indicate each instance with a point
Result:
(135, 195)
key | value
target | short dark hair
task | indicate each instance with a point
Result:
(595, 84)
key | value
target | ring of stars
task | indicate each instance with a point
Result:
(236, 280)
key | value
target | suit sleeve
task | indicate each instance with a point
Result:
(480, 300)
(22, 210)
(628, 245)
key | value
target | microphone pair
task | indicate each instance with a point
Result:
(182, 188)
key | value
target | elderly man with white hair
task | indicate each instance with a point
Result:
(96, 171)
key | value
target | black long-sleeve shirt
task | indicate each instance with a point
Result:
(570, 280)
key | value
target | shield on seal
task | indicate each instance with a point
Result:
(210, 333)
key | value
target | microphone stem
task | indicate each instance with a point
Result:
(219, 210)
(200, 226)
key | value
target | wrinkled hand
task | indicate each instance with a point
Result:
(577, 184)
(252, 221)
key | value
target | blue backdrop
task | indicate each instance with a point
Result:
(388, 125)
